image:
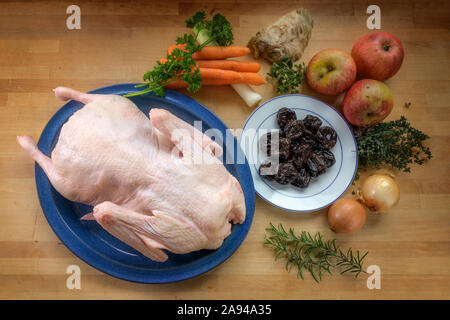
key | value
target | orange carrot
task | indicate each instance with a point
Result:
(179, 46)
(214, 52)
(220, 77)
(178, 84)
(242, 66)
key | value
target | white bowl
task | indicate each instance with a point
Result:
(323, 190)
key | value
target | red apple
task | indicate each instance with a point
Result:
(367, 102)
(331, 72)
(378, 55)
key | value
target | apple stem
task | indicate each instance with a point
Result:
(386, 47)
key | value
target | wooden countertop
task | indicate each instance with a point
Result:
(118, 42)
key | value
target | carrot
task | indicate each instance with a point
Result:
(179, 46)
(219, 77)
(214, 52)
(178, 84)
(242, 66)
(172, 47)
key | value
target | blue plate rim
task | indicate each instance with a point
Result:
(351, 131)
(78, 248)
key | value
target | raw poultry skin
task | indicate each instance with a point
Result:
(140, 176)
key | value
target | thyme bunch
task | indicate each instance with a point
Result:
(395, 144)
(312, 253)
(288, 75)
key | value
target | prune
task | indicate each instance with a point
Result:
(294, 145)
(327, 137)
(270, 142)
(311, 139)
(302, 154)
(312, 123)
(268, 169)
(294, 129)
(316, 164)
(286, 173)
(301, 146)
(328, 157)
(284, 148)
(302, 179)
(285, 115)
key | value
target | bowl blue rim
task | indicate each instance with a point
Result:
(351, 131)
(99, 261)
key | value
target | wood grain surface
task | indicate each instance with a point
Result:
(121, 40)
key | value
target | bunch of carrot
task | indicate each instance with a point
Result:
(215, 70)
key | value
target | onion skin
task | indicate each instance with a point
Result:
(346, 216)
(379, 193)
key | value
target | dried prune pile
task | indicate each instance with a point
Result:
(299, 151)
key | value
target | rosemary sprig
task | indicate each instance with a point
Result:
(312, 253)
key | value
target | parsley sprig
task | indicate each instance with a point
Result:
(288, 75)
(216, 32)
(312, 253)
(179, 64)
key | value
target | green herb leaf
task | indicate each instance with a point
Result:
(197, 18)
(311, 253)
(288, 75)
(180, 65)
(395, 144)
(220, 30)
(216, 31)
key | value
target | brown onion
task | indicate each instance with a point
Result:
(379, 193)
(346, 216)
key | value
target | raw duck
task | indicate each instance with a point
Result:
(286, 37)
(154, 184)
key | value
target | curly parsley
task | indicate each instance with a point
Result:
(179, 64)
(216, 32)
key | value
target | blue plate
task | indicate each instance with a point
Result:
(91, 243)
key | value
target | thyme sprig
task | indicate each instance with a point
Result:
(395, 144)
(288, 75)
(312, 253)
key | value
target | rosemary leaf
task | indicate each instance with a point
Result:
(312, 253)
